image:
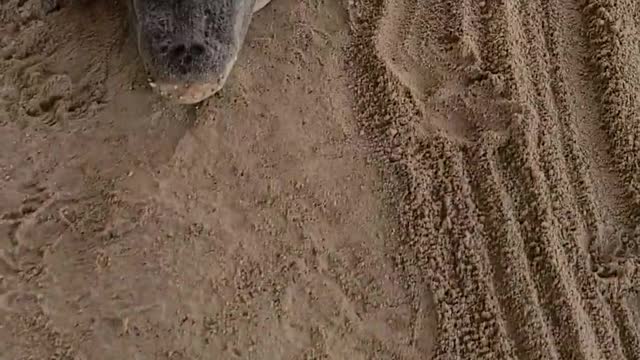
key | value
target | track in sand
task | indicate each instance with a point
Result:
(517, 127)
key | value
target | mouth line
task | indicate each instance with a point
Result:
(192, 93)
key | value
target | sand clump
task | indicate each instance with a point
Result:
(393, 179)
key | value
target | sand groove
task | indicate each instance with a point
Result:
(613, 35)
(529, 191)
(519, 297)
(575, 248)
(460, 232)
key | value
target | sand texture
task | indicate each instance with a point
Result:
(380, 179)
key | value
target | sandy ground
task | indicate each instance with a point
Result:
(398, 179)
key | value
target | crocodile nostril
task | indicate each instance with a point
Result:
(196, 50)
(186, 53)
(186, 58)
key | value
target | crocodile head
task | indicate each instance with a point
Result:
(189, 47)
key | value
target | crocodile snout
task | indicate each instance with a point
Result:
(189, 47)
(190, 71)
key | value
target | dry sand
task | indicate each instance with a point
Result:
(399, 179)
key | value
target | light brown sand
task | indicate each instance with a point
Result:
(397, 179)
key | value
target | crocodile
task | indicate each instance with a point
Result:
(189, 47)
